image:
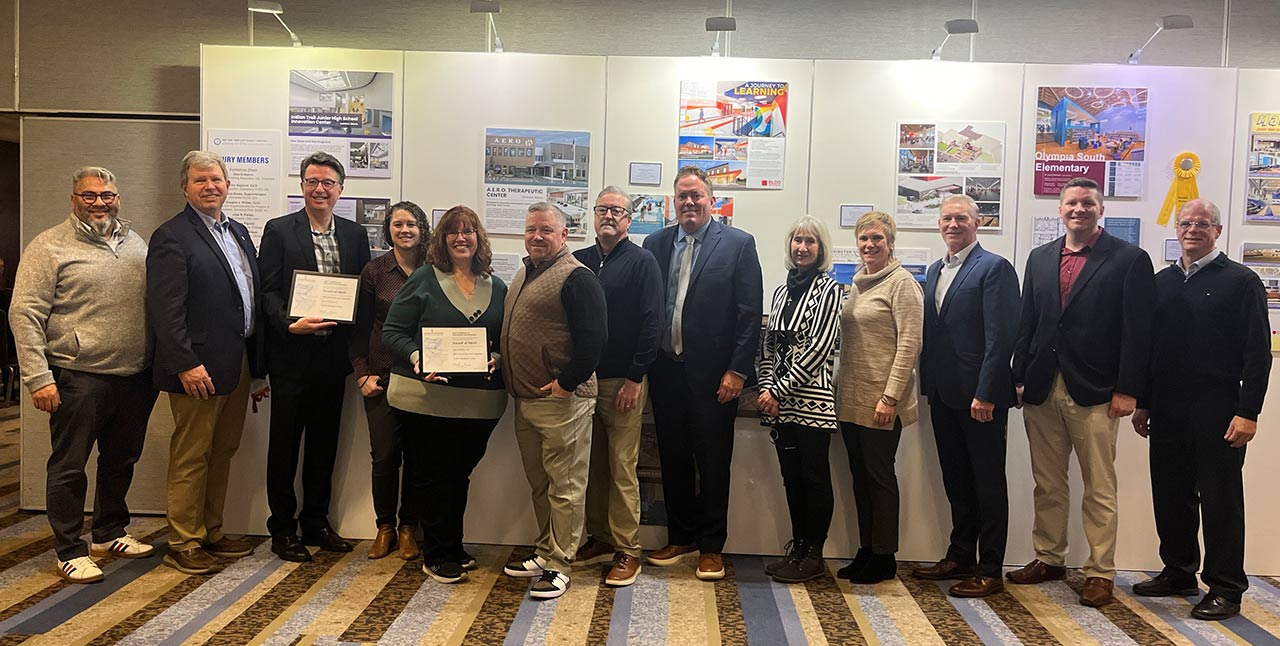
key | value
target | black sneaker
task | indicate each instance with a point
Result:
(467, 561)
(791, 550)
(550, 585)
(445, 572)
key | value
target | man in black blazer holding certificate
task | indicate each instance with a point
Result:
(307, 359)
(1079, 364)
(970, 324)
(708, 343)
(203, 305)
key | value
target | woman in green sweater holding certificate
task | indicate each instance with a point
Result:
(446, 413)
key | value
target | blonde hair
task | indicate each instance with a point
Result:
(809, 224)
(878, 219)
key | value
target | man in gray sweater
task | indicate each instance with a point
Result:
(78, 322)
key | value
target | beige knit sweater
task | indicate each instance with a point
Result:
(880, 336)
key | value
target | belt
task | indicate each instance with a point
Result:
(673, 357)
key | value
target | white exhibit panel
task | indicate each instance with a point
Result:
(643, 118)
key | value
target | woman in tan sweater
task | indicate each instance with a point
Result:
(880, 336)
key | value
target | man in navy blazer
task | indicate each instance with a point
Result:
(970, 324)
(307, 358)
(710, 336)
(1079, 364)
(202, 301)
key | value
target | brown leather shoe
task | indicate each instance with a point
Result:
(669, 554)
(593, 551)
(977, 586)
(229, 548)
(943, 570)
(624, 571)
(1096, 592)
(384, 542)
(408, 545)
(192, 561)
(710, 567)
(1036, 571)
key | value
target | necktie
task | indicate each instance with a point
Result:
(682, 288)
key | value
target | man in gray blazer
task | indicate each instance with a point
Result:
(709, 340)
(971, 310)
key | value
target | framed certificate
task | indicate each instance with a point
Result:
(331, 297)
(452, 350)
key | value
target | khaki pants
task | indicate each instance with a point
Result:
(613, 490)
(206, 434)
(554, 436)
(1054, 429)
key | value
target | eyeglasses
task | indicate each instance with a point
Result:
(1195, 224)
(695, 196)
(312, 182)
(462, 233)
(617, 211)
(89, 197)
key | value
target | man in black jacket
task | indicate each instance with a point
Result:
(1210, 364)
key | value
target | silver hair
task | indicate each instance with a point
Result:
(200, 159)
(1215, 215)
(92, 171)
(809, 224)
(547, 207)
(614, 190)
(969, 205)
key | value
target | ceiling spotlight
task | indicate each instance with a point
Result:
(489, 7)
(719, 24)
(273, 8)
(959, 26)
(1173, 21)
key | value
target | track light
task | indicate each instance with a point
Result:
(959, 26)
(719, 24)
(273, 8)
(489, 7)
(1173, 21)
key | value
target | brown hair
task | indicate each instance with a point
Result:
(455, 218)
(1081, 182)
(878, 219)
(694, 171)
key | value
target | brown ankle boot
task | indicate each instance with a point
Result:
(384, 542)
(408, 546)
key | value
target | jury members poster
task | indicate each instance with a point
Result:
(344, 113)
(1262, 198)
(735, 131)
(523, 166)
(938, 159)
(1094, 132)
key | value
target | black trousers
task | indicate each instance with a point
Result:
(806, 475)
(972, 456)
(391, 484)
(298, 408)
(441, 452)
(695, 446)
(1195, 473)
(111, 411)
(872, 452)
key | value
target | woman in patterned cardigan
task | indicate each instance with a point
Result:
(797, 396)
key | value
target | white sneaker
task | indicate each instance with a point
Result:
(528, 568)
(551, 585)
(80, 570)
(125, 547)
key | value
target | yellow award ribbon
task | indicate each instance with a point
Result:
(1183, 189)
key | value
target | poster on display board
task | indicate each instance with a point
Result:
(649, 213)
(735, 131)
(1264, 260)
(368, 212)
(1262, 195)
(1094, 132)
(344, 113)
(938, 159)
(254, 171)
(523, 167)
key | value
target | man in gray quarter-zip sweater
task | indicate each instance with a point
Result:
(78, 322)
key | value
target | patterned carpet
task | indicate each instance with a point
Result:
(348, 599)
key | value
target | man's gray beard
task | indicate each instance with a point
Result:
(104, 228)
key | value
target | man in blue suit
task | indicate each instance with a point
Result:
(710, 336)
(202, 300)
(971, 310)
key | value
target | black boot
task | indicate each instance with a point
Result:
(880, 567)
(793, 548)
(855, 566)
(807, 565)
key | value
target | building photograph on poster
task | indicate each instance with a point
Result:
(1094, 132)
(944, 158)
(522, 167)
(368, 212)
(1264, 260)
(344, 113)
(742, 125)
(649, 213)
(1262, 185)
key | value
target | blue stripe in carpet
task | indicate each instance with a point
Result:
(523, 621)
(199, 621)
(620, 620)
(970, 615)
(760, 615)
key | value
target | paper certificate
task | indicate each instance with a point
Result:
(454, 349)
(331, 297)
